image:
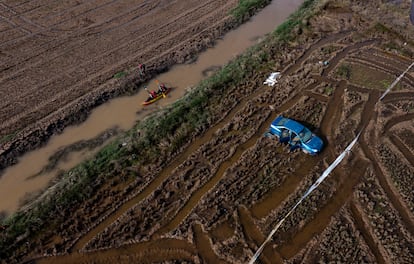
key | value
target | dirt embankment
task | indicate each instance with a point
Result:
(58, 71)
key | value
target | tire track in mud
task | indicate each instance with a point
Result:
(367, 233)
(13, 18)
(347, 50)
(368, 111)
(388, 188)
(326, 40)
(408, 155)
(320, 97)
(382, 68)
(211, 183)
(390, 191)
(25, 6)
(101, 5)
(276, 197)
(9, 20)
(323, 216)
(398, 97)
(331, 117)
(203, 244)
(368, 114)
(256, 237)
(163, 248)
(396, 120)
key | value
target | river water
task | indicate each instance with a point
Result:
(18, 182)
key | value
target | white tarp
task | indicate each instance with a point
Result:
(272, 79)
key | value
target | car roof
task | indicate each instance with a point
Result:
(289, 124)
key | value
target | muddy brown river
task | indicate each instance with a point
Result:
(18, 182)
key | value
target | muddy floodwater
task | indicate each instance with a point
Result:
(26, 178)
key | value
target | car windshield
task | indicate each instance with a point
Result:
(282, 122)
(305, 134)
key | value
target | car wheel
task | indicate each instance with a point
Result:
(306, 151)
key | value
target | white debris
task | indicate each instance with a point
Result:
(272, 79)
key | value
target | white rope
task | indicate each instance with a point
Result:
(395, 82)
(322, 177)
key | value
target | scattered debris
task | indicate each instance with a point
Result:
(324, 63)
(272, 79)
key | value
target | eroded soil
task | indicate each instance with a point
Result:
(217, 199)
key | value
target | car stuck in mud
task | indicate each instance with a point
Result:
(296, 135)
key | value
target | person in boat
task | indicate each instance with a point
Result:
(152, 94)
(162, 88)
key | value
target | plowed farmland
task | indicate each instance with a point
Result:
(58, 60)
(212, 187)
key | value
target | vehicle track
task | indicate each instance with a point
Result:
(256, 237)
(363, 226)
(390, 190)
(405, 151)
(322, 218)
(159, 248)
(80, 243)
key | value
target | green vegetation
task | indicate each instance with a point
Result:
(382, 28)
(160, 136)
(8, 137)
(246, 8)
(344, 71)
(120, 74)
(328, 90)
(329, 49)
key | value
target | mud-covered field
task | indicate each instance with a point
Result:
(220, 194)
(58, 60)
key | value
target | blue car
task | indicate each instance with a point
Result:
(297, 135)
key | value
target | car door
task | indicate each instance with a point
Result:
(284, 135)
(294, 141)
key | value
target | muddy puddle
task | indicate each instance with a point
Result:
(28, 176)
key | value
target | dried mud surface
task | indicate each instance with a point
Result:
(231, 184)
